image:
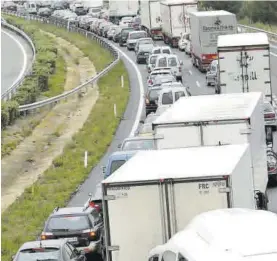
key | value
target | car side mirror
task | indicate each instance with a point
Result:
(103, 169)
(119, 145)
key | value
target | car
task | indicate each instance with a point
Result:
(144, 52)
(101, 28)
(124, 34)
(163, 79)
(173, 85)
(57, 5)
(138, 143)
(212, 72)
(117, 34)
(188, 48)
(55, 249)
(141, 41)
(146, 129)
(171, 61)
(111, 32)
(94, 12)
(155, 73)
(83, 227)
(168, 96)
(86, 21)
(106, 29)
(44, 12)
(133, 38)
(270, 115)
(151, 62)
(151, 100)
(182, 43)
(125, 21)
(161, 50)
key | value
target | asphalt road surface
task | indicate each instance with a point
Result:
(196, 81)
(16, 56)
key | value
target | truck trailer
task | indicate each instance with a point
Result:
(205, 28)
(175, 19)
(244, 64)
(211, 120)
(156, 193)
(151, 18)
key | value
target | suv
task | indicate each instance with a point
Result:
(133, 38)
(124, 34)
(58, 250)
(81, 226)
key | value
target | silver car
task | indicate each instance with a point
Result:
(211, 74)
(151, 62)
(133, 37)
(143, 41)
(144, 52)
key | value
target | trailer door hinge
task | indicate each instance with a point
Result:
(113, 248)
(224, 190)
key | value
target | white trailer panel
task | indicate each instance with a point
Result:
(151, 14)
(217, 120)
(123, 8)
(244, 64)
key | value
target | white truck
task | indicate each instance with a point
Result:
(119, 9)
(151, 22)
(222, 119)
(205, 28)
(244, 64)
(175, 19)
(156, 193)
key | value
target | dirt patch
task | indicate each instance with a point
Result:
(35, 154)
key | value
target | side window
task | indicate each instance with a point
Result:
(167, 98)
(178, 95)
(154, 258)
(182, 258)
(169, 256)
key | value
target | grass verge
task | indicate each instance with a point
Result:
(266, 27)
(24, 219)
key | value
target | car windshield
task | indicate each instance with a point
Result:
(126, 31)
(137, 35)
(179, 94)
(157, 51)
(162, 62)
(34, 254)
(167, 98)
(153, 59)
(154, 94)
(146, 41)
(139, 145)
(267, 107)
(70, 222)
(166, 51)
(116, 164)
(172, 62)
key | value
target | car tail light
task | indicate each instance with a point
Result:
(270, 115)
(93, 205)
(46, 235)
(150, 81)
(89, 233)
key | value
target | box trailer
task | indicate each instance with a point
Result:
(156, 193)
(211, 120)
(151, 22)
(205, 28)
(244, 64)
(119, 9)
(175, 19)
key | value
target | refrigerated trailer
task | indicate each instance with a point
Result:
(150, 13)
(175, 19)
(205, 28)
(244, 64)
(222, 119)
(156, 193)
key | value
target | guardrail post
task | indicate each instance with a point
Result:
(122, 81)
(114, 110)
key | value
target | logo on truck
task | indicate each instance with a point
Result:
(218, 26)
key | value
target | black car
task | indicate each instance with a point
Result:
(124, 35)
(151, 100)
(57, 249)
(81, 226)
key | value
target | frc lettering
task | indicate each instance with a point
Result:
(203, 186)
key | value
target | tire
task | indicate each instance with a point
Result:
(128, 48)
(138, 62)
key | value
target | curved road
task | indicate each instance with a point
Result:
(16, 56)
(196, 81)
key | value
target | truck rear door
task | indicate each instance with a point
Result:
(190, 198)
(135, 218)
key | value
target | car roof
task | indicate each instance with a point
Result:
(175, 89)
(145, 38)
(138, 138)
(43, 243)
(71, 210)
(118, 155)
(160, 71)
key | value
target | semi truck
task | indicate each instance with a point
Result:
(151, 20)
(156, 193)
(120, 9)
(211, 120)
(244, 64)
(175, 19)
(205, 28)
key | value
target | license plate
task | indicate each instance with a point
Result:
(72, 239)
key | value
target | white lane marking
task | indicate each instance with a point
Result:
(141, 89)
(273, 54)
(190, 72)
(198, 84)
(23, 69)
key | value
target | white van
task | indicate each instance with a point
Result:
(31, 7)
(233, 234)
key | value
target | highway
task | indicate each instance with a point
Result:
(16, 56)
(196, 81)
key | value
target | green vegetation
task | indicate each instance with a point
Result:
(48, 77)
(24, 219)
(261, 14)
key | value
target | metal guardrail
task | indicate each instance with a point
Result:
(272, 36)
(64, 23)
(6, 95)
